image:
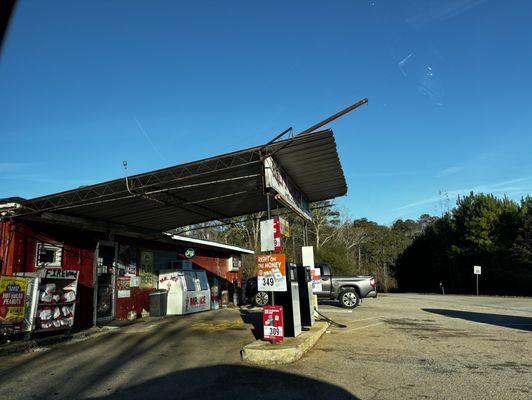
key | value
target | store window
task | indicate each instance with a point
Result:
(190, 279)
(49, 256)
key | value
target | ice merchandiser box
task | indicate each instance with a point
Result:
(188, 291)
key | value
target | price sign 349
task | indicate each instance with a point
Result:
(268, 281)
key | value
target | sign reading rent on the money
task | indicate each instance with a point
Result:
(271, 272)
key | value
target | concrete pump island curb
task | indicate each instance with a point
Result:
(292, 349)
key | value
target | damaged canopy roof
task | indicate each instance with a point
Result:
(215, 188)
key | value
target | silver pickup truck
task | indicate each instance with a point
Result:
(347, 289)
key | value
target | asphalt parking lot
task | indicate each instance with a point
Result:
(408, 346)
(395, 347)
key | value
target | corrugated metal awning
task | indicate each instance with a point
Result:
(216, 188)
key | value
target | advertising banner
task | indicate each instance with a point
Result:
(12, 299)
(272, 322)
(147, 279)
(123, 285)
(271, 271)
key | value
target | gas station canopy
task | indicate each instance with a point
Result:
(297, 171)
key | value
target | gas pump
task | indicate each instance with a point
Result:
(306, 300)
(290, 302)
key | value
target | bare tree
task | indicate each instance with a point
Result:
(324, 221)
(352, 237)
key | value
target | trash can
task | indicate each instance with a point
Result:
(158, 300)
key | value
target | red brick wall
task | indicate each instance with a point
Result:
(218, 266)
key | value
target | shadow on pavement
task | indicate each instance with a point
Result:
(231, 382)
(254, 318)
(507, 321)
(334, 303)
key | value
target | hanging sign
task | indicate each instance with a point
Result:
(12, 299)
(286, 190)
(272, 322)
(271, 271)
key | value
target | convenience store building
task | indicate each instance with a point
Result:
(116, 233)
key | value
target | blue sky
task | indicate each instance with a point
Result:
(158, 83)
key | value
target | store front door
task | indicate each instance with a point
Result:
(105, 282)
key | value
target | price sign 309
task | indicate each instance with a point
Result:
(272, 322)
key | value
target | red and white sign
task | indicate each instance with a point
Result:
(273, 233)
(276, 235)
(272, 322)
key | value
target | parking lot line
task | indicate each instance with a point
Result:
(366, 326)
(365, 319)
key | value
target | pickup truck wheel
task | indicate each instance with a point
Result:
(349, 298)
(261, 299)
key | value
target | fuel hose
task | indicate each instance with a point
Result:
(339, 325)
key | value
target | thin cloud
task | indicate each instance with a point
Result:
(494, 188)
(148, 138)
(384, 174)
(41, 179)
(7, 167)
(442, 11)
(402, 64)
(450, 171)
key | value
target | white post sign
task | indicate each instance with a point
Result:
(477, 270)
(307, 253)
(267, 242)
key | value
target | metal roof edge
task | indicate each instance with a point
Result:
(210, 243)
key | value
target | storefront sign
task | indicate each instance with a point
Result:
(197, 302)
(287, 192)
(272, 322)
(189, 253)
(147, 279)
(12, 299)
(271, 272)
(56, 273)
